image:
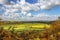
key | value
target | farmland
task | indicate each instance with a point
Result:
(27, 26)
(30, 31)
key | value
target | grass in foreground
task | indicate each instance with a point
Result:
(51, 33)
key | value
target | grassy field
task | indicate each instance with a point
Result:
(52, 31)
(26, 26)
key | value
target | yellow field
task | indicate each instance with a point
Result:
(22, 31)
(26, 26)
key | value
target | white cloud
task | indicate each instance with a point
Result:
(25, 7)
(45, 17)
(39, 17)
(10, 14)
(42, 15)
(3, 1)
(23, 12)
(22, 2)
(47, 4)
(29, 14)
(10, 10)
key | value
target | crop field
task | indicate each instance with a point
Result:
(30, 31)
(26, 26)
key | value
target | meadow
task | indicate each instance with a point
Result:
(30, 31)
(25, 26)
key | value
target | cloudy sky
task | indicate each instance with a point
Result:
(29, 10)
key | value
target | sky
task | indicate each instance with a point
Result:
(29, 10)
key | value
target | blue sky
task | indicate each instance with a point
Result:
(30, 1)
(53, 10)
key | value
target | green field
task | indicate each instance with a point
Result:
(30, 30)
(26, 26)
